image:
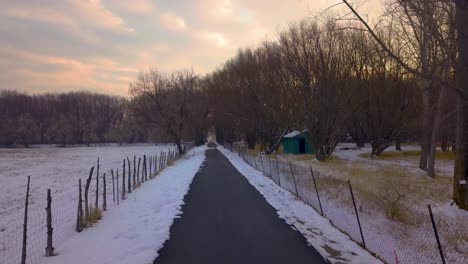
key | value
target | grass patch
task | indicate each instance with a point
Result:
(390, 155)
(304, 157)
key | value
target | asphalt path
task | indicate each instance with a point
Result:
(226, 220)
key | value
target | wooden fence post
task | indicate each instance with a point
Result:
(261, 161)
(25, 224)
(434, 227)
(117, 185)
(277, 171)
(96, 204)
(271, 171)
(79, 215)
(134, 170)
(123, 181)
(49, 248)
(316, 190)
(113, 186)
(357, 215)
(129, 182)
(104, 192)
(145, 167)
(294, 178)
(138, 171)
(88, 182)
(150, 158)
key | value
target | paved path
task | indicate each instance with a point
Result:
(226, 220)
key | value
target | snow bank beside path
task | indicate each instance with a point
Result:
(327, 240)
(138, 228)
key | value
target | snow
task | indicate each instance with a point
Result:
(292, 134)
(58, 169)
(319, 232)
(134, 231)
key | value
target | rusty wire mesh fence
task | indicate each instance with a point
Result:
(64, 212)
(409, 238)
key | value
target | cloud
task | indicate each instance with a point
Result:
(216, 38)
(70, 13)
(53, 72)
(172, 22)
(62, 45)
(140, 7)
(98, 15)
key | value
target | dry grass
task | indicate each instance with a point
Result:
(396, 155)
(95, 214)
(304, 157)
(370, 179)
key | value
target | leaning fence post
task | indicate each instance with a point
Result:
(316, 190)
(50, 229)
(79, 215)
(25, 224)
(88, 182)
(104, 193)
(441, 252)
(357, 215)
(294, 178)
(278, 172)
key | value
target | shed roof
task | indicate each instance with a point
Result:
(294, 133)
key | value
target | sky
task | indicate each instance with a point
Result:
(102, 45)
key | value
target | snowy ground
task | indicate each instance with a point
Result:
(58, 169)
(138, 228)
(319, 232)
(377, 183)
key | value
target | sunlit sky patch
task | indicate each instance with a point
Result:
(101, 45)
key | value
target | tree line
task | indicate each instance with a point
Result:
(67, 119)
(403, 80)
(336, 76)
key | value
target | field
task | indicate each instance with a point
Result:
(58, 169)
(392, 196)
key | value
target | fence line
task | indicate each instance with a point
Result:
(408, 240)
(65, 213)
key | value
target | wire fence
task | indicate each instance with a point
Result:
(64, 208)
(416, 235)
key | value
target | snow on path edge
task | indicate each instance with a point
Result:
(331, 243)
(134, 231)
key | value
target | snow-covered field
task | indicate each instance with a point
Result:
(58, 169)
(138, 228)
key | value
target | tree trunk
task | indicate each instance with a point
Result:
(397, 144)
(444, 144)
(435, 132)
(426, 84)
(460, 192)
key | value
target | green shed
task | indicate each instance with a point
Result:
(297, 142)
